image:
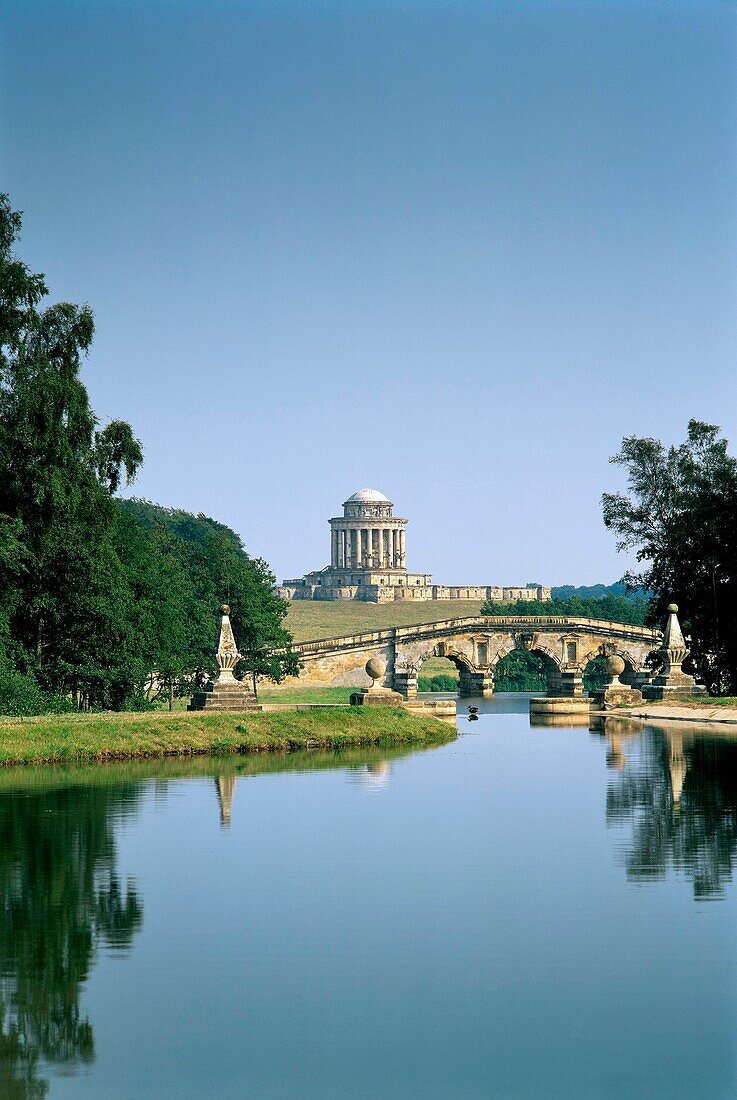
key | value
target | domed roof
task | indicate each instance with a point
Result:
(368, 496)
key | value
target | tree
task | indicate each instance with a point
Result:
(57, 475)
(680, 516)
(207, 564)
(104, 602)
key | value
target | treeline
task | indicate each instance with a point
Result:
(98, 594)
(615, 608)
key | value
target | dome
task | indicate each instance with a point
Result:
(368, 496)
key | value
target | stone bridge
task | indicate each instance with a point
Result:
(565, 644)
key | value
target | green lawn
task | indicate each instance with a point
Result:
(79, 737)
(307, 694)
(438, 666)
(312, 619)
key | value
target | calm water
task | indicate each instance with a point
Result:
(528, 912)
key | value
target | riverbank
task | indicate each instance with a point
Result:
(63, 739)
(710, 711)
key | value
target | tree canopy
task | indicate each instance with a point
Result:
(96, 594)
(679, 514)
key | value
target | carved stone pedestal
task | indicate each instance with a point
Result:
(225, 693)
(217, 696)
(376, 696)
(672, 682)
(615, 693)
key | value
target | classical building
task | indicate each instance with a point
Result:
(368, 555)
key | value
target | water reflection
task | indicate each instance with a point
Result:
(60, 899)
(225, 787)
(678, 791)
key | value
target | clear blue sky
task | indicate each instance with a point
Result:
(451, 251)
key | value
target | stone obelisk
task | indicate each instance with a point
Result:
(225, 692)
(672, 682)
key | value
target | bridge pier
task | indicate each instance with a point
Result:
(566, 685)
(405, 682)
(476, 683)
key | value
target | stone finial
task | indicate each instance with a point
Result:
(673, 650)
(227, 655)
(671, 681)
(375, 669)
(615, 668)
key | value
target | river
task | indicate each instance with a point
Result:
(526, 912)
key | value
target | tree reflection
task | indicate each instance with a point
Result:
(60, 899)
(680, 793)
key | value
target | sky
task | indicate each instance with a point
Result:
(451, 251)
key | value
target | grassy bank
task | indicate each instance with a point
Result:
(308, 620)
(59, 739)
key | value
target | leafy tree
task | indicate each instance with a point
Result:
(680, 516)
(520, 671)
(211, 565)
(57, 475)
(103, 602)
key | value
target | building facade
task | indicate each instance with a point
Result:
(368, 554)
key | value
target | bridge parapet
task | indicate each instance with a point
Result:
(476, 645)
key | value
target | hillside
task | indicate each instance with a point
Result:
(308, 620)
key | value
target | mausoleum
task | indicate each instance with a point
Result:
(368, 561)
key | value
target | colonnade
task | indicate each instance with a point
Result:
(375, 547)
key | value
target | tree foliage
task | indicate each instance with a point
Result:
(679, 515)
(96, 598)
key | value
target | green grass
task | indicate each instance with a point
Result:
(309, 620)
(307, 694)
(75, 738)
(439, 666)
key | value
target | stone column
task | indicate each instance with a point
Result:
(402, 547)
(334, 548)
(341, 548)
(394, 548)
(358, 548)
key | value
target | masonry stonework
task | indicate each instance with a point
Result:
(368, 554)
(476, 645)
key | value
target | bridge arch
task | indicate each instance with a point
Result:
(551, 664)
(472, 679)
(634, 669)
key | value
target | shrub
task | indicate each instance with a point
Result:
(437, 683)
(21, 696)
